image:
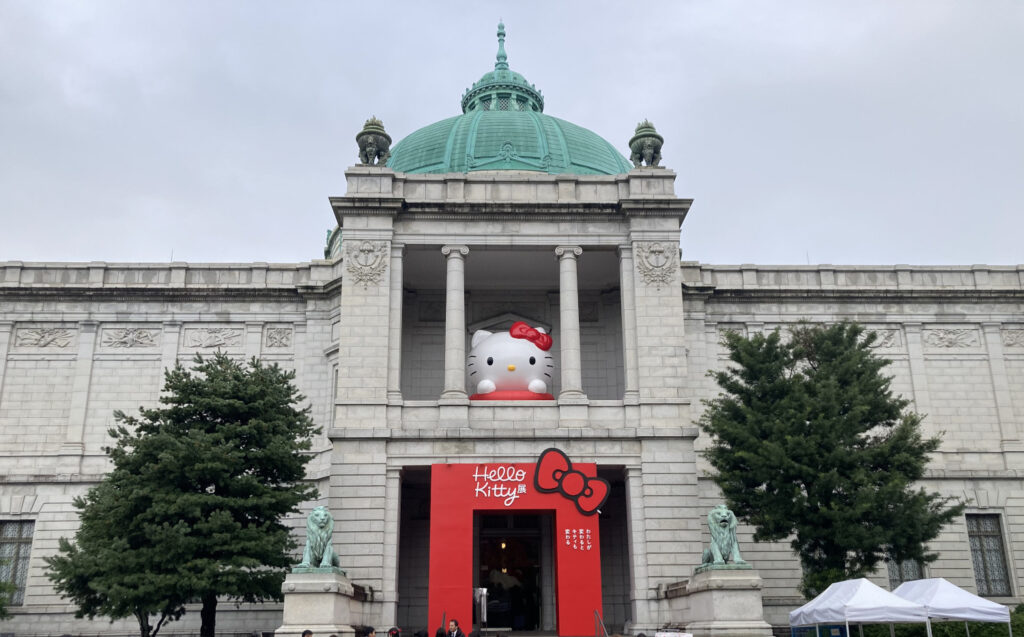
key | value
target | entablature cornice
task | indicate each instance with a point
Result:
(546, 434)
(366, 206)
(170, 295)
(761, 295)
(669, 207)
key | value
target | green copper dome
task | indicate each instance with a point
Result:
(503, 127)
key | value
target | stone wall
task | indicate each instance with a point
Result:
(78, 341)
(956, 339)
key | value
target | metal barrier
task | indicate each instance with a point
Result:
(599, 629)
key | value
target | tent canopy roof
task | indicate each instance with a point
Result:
(857, 601)
(948, 601)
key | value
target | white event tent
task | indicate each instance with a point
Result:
(944, 600)
(859, 601)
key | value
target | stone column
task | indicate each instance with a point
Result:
(363, 328)
(455, 325)
(918, 375)
(1009, 437)
(569, 316)
(169, 346)
(6, 327)
(74, 445)
(395, 327)
(628, 302)
(636, 529)
(392, 522)
(253, 339)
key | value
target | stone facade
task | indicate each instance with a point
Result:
(378, 336)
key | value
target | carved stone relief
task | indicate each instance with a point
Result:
(278, 337)
(212, 337)
(951, 338)
(657, 262)
(887, 339)
(738, 328)
(56, 337)
(366, 261)
(1013, 337)
(130, 337)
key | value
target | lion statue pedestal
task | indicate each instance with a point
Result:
(724, 593)
(321, 600)
(726, 602)
(317, 594)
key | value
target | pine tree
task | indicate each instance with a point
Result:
(194, 503)
(115, 568)
(810, 443)
(6, 590)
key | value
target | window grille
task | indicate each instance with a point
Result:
(503, 103)
(990, 572)
(905, 571)
(15, 547)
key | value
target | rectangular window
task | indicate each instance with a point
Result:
(990, 572)
(905, 571)
(15, 547)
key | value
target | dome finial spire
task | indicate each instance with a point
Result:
(502, 63)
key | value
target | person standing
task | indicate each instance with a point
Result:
(454, 630)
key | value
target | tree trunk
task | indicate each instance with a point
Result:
(143, 618)
(208, 615)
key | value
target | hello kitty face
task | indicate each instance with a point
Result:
(516, 360)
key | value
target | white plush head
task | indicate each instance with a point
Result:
(519, 359)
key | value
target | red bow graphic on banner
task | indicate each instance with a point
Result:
(555, 474)
(538, 338)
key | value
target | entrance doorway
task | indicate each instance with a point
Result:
(513, 561)
(567, 496)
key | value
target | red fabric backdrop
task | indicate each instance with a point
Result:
(457, 490)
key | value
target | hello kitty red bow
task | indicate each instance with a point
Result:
(538, 338)
(554, 474)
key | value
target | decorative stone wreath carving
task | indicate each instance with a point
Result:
(211, 337)
(1013, 338)
(366, 261)
(886, 339)
(279, 337)
(657, 262)
(951, 338)
(130, 337)
(44, 337)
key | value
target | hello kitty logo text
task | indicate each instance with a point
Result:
(506, 482)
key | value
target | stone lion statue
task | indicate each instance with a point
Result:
(724, 547)
(318, 552)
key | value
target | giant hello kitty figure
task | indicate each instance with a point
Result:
(512, 365)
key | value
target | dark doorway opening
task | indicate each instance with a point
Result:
(513, 561)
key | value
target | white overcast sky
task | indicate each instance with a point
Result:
(846, 132)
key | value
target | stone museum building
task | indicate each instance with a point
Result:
(501, 215)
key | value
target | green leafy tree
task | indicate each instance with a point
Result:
(196, 497)
(809, 443)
